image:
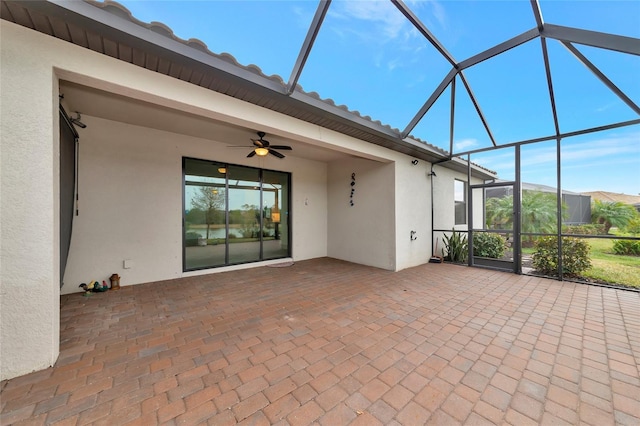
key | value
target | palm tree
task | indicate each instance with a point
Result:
(538, 213)
(499, 212)
(611, 213)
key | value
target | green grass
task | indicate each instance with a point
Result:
(609, 267)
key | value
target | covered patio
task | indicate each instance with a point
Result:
(329, 342)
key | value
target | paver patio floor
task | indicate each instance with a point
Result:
(333, 343)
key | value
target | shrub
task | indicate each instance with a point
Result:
(456, 247)
(488, 244)
(626, 247)
(575, 256)
(587, 229)
(191, 239)
(633, 227)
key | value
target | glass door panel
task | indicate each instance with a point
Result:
(539, 172)
(492, 225)
(276, 233)
(245, 218)
(204, 214)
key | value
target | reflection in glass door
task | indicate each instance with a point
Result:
(234, 214)
(245, 220)
(275, 192)
(205, 218)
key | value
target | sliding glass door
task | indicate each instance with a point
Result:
(275, 195)
(233, 214)
(205, 202)
(244, 214)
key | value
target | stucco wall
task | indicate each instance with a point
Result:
(413, 213)
(130, 183)
(391, 199)
(365, 232)
(29, 263)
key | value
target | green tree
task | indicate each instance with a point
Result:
(538, 213)
(209, 200)
(612, 213)
(499, 212)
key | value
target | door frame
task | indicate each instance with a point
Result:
(515, 265)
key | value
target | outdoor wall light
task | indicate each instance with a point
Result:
(432, 173)
(222, 170)
(261, 151)
(414, 162)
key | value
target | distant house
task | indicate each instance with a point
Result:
(633, 200)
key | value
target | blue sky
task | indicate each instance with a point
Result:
(367, 56)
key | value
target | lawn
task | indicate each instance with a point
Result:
(612, 268)
(608, 267)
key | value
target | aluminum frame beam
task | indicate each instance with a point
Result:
(537, 14)
(424, 31)
(603, 78)
(500, 48)
(554, 137)
(552, 98)
(305, 50)
(452, 114)
(478, 110)
(618, 43)
(429, 103)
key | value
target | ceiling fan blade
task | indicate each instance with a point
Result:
(251, 154)
(276, 153)
(258, 142)
(285, 147)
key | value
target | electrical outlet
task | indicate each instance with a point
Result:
(127, 264)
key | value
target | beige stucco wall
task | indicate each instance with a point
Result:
(413, 213)
(391, 199)
(363, 233)
(29, 262)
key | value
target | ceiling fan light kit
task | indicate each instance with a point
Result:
(262, 147)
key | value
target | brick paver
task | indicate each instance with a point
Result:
(331, 343)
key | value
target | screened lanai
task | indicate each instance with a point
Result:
(542, 94)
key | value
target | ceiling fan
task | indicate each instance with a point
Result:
(262, 147)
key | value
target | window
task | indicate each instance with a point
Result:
(460, 199)
(233, 214)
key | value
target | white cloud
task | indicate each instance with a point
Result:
(464, 144)
(377, 25)
(606, 106)
(436, 10)
(383, 14)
